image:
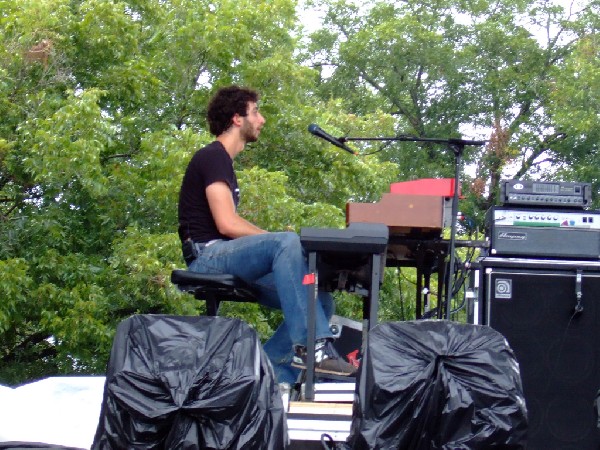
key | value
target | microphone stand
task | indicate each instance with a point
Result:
(457, 146)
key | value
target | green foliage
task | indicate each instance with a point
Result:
(575, 104)
(446, 69)
(266, 202)
(102, 105)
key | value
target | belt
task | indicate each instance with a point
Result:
(200, 245)
(191, 250)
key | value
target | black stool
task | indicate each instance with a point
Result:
(213, 288)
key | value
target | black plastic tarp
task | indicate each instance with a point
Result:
(189, 383)
(438, 385)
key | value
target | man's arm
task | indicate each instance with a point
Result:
(222, 208)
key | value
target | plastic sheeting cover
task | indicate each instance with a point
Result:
(189, 383)
(439, 385)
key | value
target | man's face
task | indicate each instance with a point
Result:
(252, 123)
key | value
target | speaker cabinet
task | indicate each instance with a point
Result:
(533, 304)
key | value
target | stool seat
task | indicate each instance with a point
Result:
(213, 288)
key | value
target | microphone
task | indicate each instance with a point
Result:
(313, 128)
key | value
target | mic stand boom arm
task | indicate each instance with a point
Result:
(457, 146)
(406, 138)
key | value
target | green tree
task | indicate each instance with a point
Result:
(575, 104)
(102, 106)
(446, 69)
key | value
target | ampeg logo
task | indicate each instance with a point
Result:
(512, 236)
(503, 288)
(518, 186)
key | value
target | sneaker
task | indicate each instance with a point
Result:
(327, 360)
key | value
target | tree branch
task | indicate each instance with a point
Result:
(29, 342)
(544, 146)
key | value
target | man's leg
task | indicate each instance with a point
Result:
(280, 348)
(253, 257)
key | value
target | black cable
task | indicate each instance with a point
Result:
(326, 445)
(399, 272)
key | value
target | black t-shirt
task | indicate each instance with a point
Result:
(208, 165)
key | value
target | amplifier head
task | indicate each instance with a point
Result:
(546, 193)
(558, 232)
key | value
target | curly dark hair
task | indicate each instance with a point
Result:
(227, 102)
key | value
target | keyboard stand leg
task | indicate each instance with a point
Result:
(370, 312)
(373, 307)
(309, 386)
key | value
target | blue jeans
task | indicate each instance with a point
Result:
(275, 264)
